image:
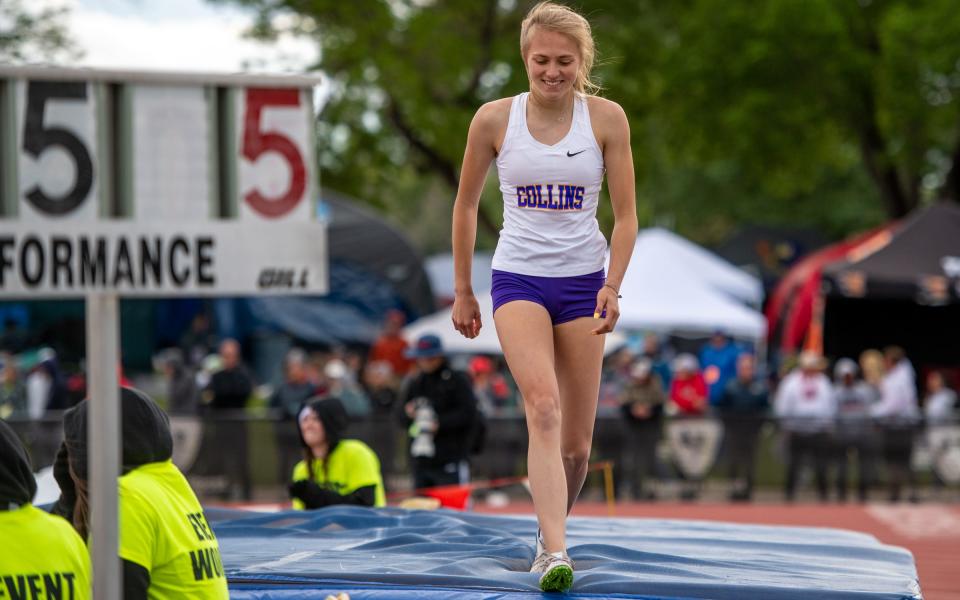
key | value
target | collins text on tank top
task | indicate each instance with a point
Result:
(550, 196)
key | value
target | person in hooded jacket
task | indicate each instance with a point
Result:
(334, 470)
(168, 549)
(39, 551)
(439, 411)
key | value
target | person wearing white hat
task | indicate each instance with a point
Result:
(642, 402)
(855, 434)
(805, 405)
(341, 383)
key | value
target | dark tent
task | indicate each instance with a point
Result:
(790, 307)
(373, 268)
(768, 251)
(906, 292)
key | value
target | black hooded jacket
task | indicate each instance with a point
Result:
(17, 484)
(146, 439)
(145, 432)
(450, 393)
(334, 418)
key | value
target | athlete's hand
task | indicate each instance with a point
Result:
(466, 315)
(607, 302)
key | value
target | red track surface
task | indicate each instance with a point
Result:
(930, 531)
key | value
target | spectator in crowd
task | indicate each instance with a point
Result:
(940, 401)
(287, 400)
(854, 434)
(334, 470)
(13, 339)
(658, 357)
(898, 415)
(230, 387)
(164, 537)
(742, 406)
(938, 411)
(227, 395)
(718, 363)
(390, 345)
(805, 406)
(46, 386)
(291, 395)
(183, 397)
(314, 368)
(642, 405)
(688, 391)
(35, 542)
(343, 384)
(489, 387)
(13, 393)
(873, 368)
(381, 387)
(198, 341)
(440, 412)
(615, 373)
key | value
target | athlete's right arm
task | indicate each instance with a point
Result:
(480, 151)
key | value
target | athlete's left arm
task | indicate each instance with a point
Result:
(613, 131)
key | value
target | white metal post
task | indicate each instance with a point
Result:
(104, 435)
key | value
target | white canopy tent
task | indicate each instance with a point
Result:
(441, 324)
(439, 268)
(666, 295)
(667, 248)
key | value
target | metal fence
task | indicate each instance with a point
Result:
(236, 456)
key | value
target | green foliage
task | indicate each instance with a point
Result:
(817, 112)
(32, 35)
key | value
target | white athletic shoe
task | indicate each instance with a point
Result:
(541, 547)
(556, 571)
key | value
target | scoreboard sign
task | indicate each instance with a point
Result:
(147, 184)
(274, 144)
(151, 184)
(157, 259)
(57, 146)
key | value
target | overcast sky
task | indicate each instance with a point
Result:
(178, 35)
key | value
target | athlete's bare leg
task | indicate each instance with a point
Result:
(578, 360)
(526, 336)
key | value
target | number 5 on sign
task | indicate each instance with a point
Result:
(275, 169)
(57, 150)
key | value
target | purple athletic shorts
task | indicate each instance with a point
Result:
(565, 298)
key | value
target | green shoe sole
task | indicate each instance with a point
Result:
(557, 579)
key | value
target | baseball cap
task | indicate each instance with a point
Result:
(810, 360)
(641, 368)
(335, 369)
(428, 346)
(845, 366)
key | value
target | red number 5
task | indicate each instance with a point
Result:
(256, 142)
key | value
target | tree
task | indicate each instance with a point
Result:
(32, 35)
(792, 90)
(835, 114)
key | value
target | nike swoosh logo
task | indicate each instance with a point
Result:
(575, 153)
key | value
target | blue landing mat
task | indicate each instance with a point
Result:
(374, 554)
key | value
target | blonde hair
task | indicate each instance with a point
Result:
(562, 19)
(872, 367)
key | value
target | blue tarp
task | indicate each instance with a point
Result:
(394, 553)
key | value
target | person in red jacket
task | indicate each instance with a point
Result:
(688, 390)
(390, 345)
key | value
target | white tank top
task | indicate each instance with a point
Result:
(550, 198)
